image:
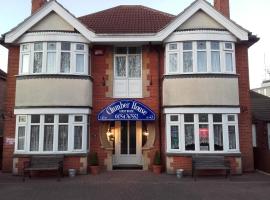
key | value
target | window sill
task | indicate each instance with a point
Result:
(21, 155)
(189, 154)
(55, 76)
(201, 75)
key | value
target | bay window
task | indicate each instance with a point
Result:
(200, 57)
(202, 133)
(54, 58)
(51, 133)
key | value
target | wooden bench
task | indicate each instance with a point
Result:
(43, 163)
(210, 163)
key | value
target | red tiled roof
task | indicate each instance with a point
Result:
(127, 19)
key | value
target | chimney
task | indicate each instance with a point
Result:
(223, 6)
(36, 4)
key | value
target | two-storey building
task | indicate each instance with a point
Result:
(126, 82)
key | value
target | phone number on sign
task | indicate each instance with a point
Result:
(126, 116)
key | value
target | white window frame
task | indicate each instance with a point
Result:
(21, 124)
(58, 51)
(181, 123)
(254, 135)
(173, 51)
(71, 124)
(222, 52)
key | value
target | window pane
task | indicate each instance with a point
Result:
(173, 62)
(231, 118)
(65, 62)
(189, 118)
(228, 45)
(21, 137)
(201, 45)
(63, 118)
(48, 138)
(51, 62)
(25, 47)
(218, 137)
(80, 47)
(203, 117)
(37, 68)
(134, 63)
(217, 117)
(174, 137)
(65, 46)
(121, 50)
(187, 62)
(63, 138)
(25, 63)
(189, 137)
(120, 68)
(78, 137)
(215, 61)
(215, 46)
(22, 119)
(174, 118)
(49, 118)
(80, 63)
(232, 137)
(34, 138)
(35, 118)
(204, 137)
(173, 46)
(187, 46)
(78, 118)
(38, 46)
(132, 137)
(202, 61)
(51, 46)
(134, 50)
(229, 62)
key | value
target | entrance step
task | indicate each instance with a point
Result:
(127, 167)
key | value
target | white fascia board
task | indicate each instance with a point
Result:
(32, 111)
(201, 35)
(51, 6)
(192, 110)
(230, 26)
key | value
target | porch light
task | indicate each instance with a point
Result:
(110, 134)
(146, 133)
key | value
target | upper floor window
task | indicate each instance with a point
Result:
(200, 57)
(54, 58)
(127, 72)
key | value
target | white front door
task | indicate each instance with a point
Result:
(128, 143)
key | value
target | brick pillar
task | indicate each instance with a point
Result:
(36, 4)
(245, 120)
(10, 121)
(223, 6)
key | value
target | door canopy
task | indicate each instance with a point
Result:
(126, 110)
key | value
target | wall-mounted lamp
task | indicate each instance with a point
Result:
(145, 130)
(109, 133)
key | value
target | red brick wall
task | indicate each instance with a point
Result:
(223, 6)
(9, 127)
(262, 152)
(245, 130)
(99, 67)
(2, 100)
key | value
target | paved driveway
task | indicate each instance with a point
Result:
(135, 185)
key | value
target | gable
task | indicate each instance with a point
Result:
(200, 20)
(52, 22)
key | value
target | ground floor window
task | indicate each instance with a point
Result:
(202, 133)
(51, 133)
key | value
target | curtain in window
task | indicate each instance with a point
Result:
(202, 61)
(80, 63)
(78, 137)
(218, 137)
(51, 62)
(65, 62)
(63, 138)
(37, 68)
(48, 137)
(229, 62)
(187, 62)
(232, 139)
(174, 137)
(120, 66)
(34, 138)
(134, 63)
(189, 137)
(21, 137)
(173, 62)
(215, 61)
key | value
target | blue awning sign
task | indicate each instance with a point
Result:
(126, 110)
